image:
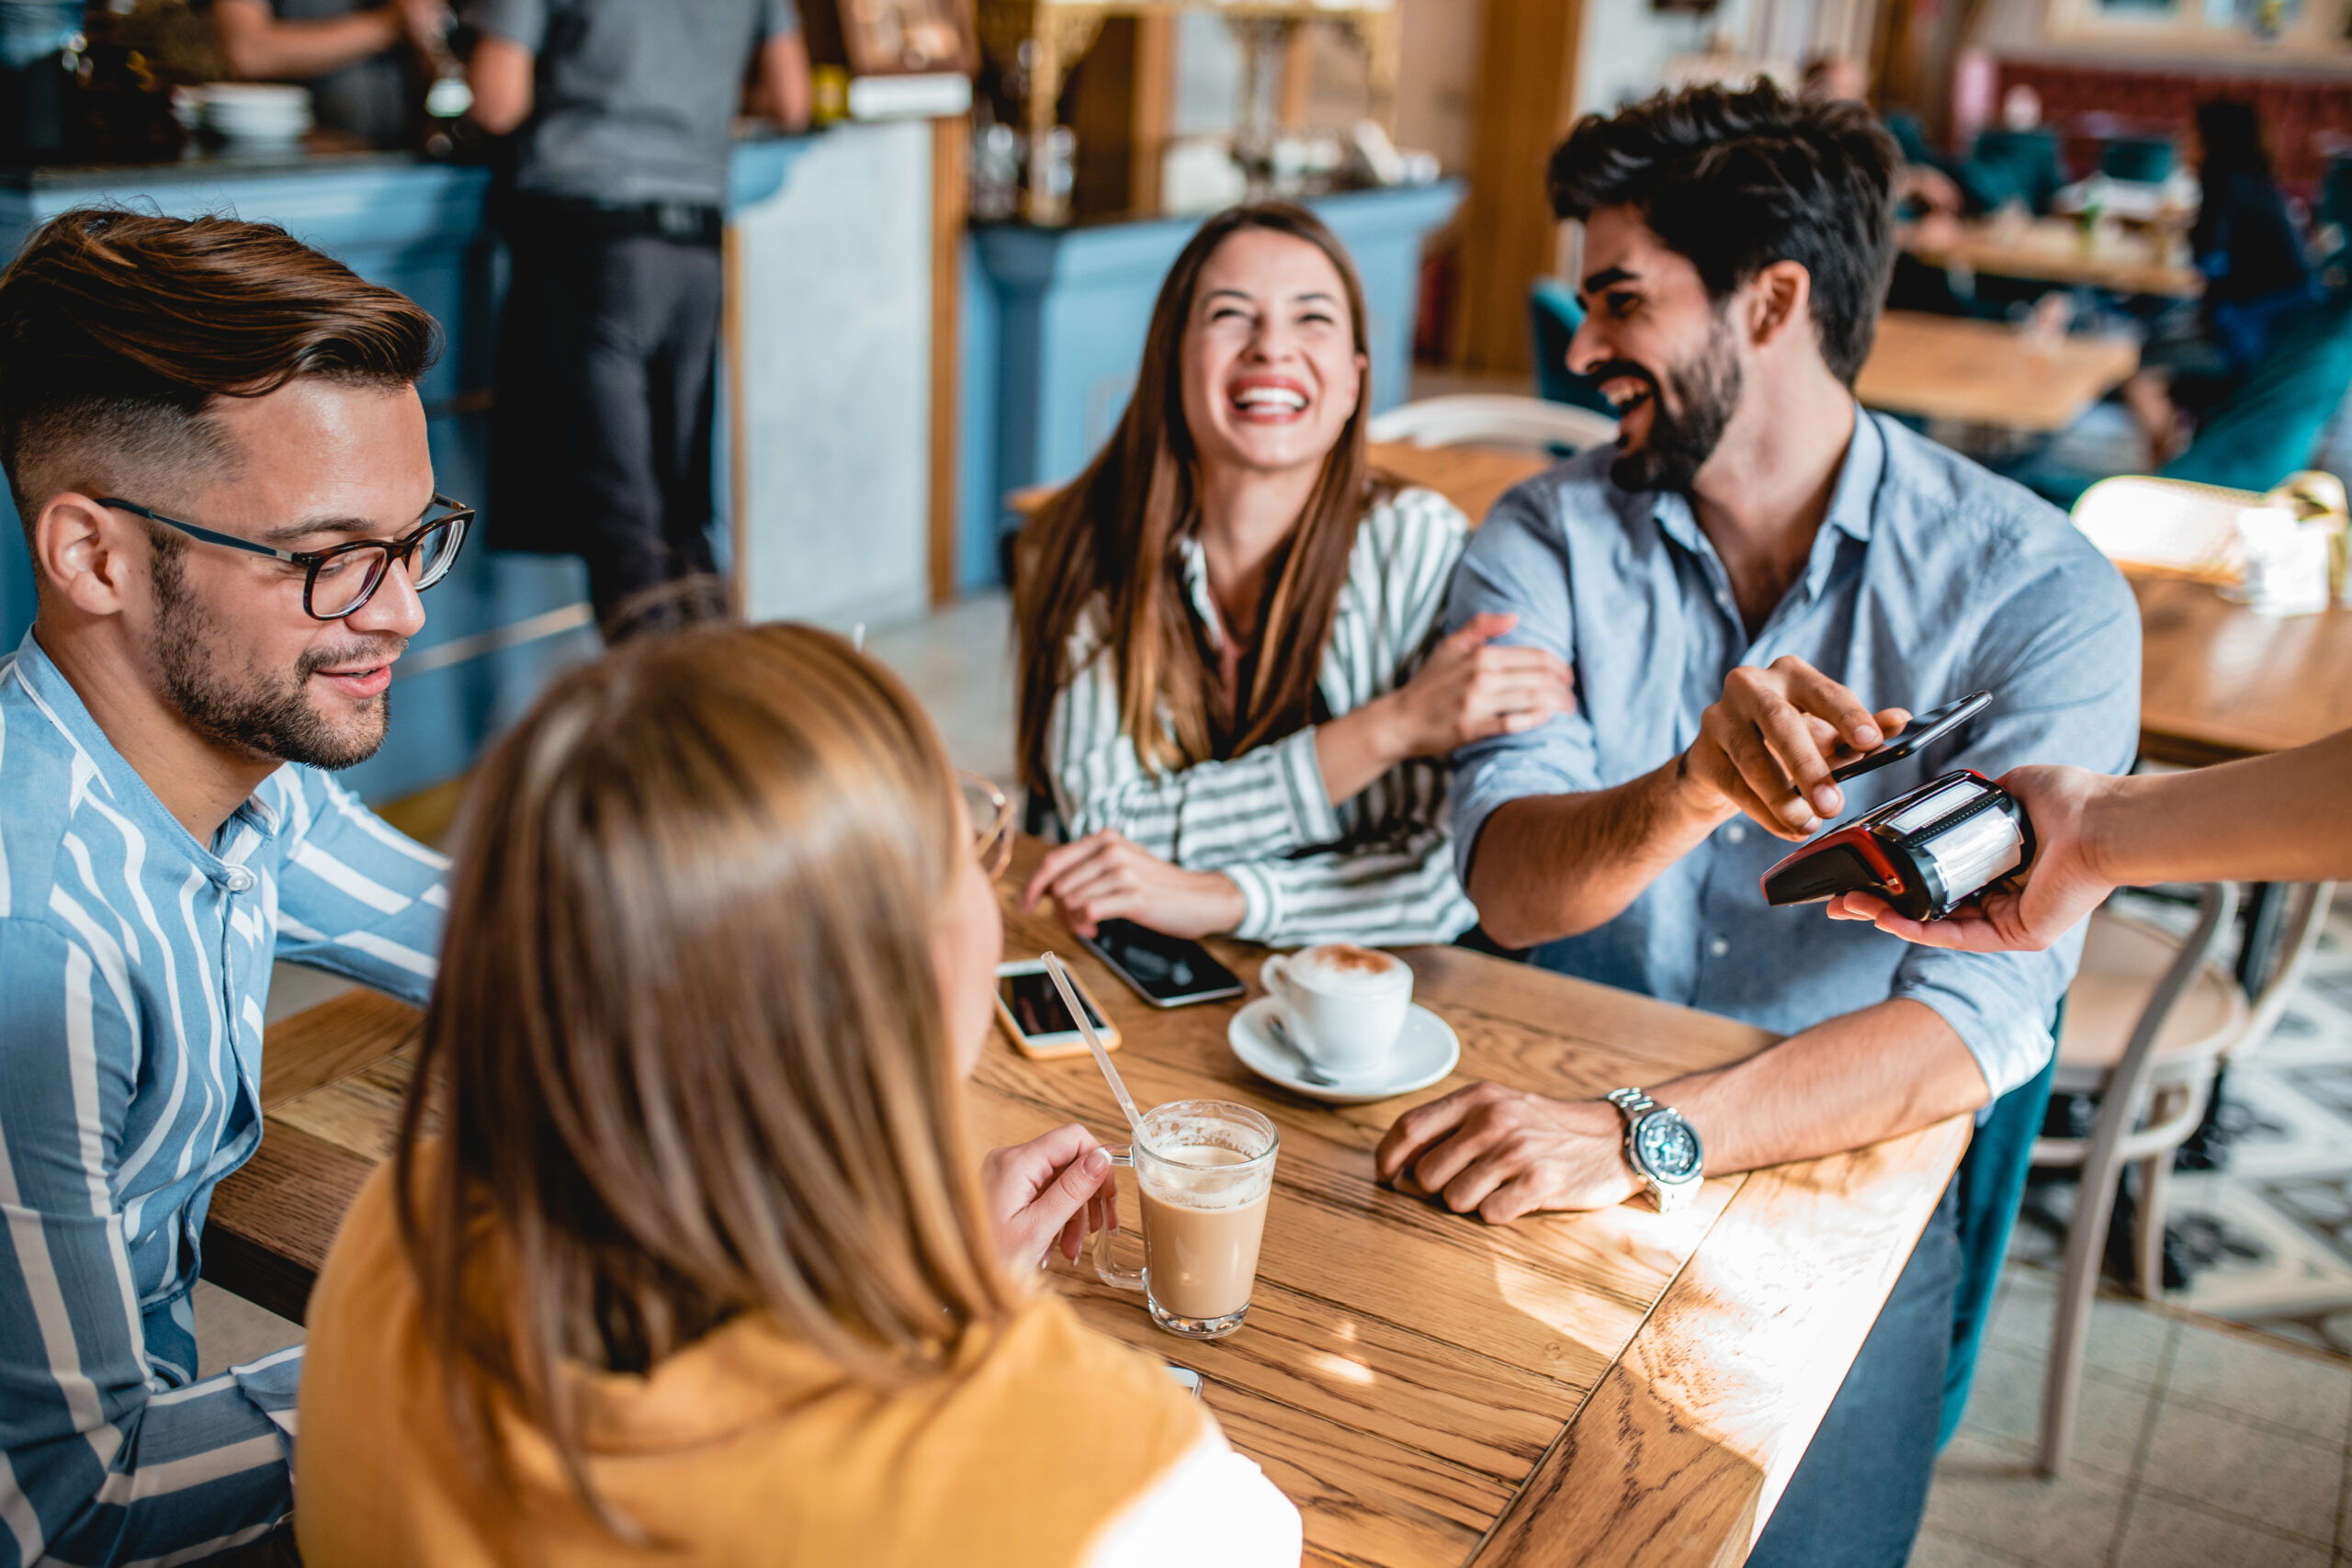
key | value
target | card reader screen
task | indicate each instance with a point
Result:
(1941, 803)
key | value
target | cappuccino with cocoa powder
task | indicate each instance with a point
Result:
(1342, 1006)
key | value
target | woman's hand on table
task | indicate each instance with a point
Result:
(1104, 877)
(1502, 1153)
(1050, 1194)
(2062, 887)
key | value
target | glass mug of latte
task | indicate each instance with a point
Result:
(1206, 1169)
(1344, 1006)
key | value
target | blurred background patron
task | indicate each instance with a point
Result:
(621, 116)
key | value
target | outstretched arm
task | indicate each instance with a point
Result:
(2277, 818)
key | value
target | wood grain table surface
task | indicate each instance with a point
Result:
(1985, 373)
(2219, 682)
(1618, 1387)
(2051, 250)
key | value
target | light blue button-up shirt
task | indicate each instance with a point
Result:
(1929, 578)
(134, 967)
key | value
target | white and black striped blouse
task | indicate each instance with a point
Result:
(1377, 868)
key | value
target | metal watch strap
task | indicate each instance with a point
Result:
(1633, 1104)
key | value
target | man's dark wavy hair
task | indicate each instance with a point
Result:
(1737, 178)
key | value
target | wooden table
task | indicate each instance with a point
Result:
(1616, 1387)
(1982, 373)
(2051, 250)
(2218, 681)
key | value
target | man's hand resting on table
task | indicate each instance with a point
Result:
(1502, 1153)
(1766, 747)
(1050, 1193)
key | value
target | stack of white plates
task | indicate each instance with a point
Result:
(255, 114)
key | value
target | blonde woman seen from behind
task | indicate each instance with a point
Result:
(1232, 687)
(685, 1257)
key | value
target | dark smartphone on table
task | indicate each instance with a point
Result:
(1924, 730)
(1165, 970)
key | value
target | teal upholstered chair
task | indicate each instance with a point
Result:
(2145, 159)
(2270, 424)
(2012, 166)
(1554, 314)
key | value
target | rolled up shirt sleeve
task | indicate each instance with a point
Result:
(2063, 661)
(360, 898)
(1385, 895)
(112, 1454)
(1516, 564)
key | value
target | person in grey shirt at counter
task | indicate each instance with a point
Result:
(358, 59)
(1753, 552)
(621, 115)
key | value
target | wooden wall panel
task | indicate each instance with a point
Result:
(1526, 101)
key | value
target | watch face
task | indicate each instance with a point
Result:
(1668, 1147)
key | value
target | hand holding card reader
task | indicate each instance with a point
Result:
(1924, 853)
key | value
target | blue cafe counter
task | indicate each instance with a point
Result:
(824, 425)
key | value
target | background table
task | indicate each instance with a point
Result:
(1984, 373)
(2051, 250)
(2219, 682)
(1618, 1387)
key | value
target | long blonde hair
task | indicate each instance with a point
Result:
(1115, 534)
(688, 1045)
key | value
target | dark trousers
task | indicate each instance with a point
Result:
(1855, 1498)
(602, 443)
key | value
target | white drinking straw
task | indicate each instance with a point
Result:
(1102, 1052)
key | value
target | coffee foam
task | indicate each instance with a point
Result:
(1339, 967)
(1221, 1186)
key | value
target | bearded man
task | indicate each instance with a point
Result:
(1753, 556)
(213, 438)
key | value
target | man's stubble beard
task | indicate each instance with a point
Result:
(1705, 394)
(257, 715)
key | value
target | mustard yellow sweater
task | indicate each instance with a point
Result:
(743, 1448)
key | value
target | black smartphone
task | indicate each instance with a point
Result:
(1165, 970)
(1923, 730)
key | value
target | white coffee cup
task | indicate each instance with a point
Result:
(1343, 1006)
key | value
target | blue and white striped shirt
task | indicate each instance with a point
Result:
(134, 963)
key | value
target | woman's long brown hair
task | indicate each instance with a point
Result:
(1116, 532)
(688, 1046)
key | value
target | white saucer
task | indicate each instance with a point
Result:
(1424, 1053)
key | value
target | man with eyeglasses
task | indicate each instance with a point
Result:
(213, 438)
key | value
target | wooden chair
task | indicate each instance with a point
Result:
(2150, 1019)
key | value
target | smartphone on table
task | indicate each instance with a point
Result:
(1034, 1017)
(1165, 970)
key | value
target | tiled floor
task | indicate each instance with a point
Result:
(2198, 1444)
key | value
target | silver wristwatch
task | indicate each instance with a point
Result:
(1661, 1147)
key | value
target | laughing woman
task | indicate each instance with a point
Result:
(1231, 686)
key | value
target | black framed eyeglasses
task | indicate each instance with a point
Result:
(340, 579)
